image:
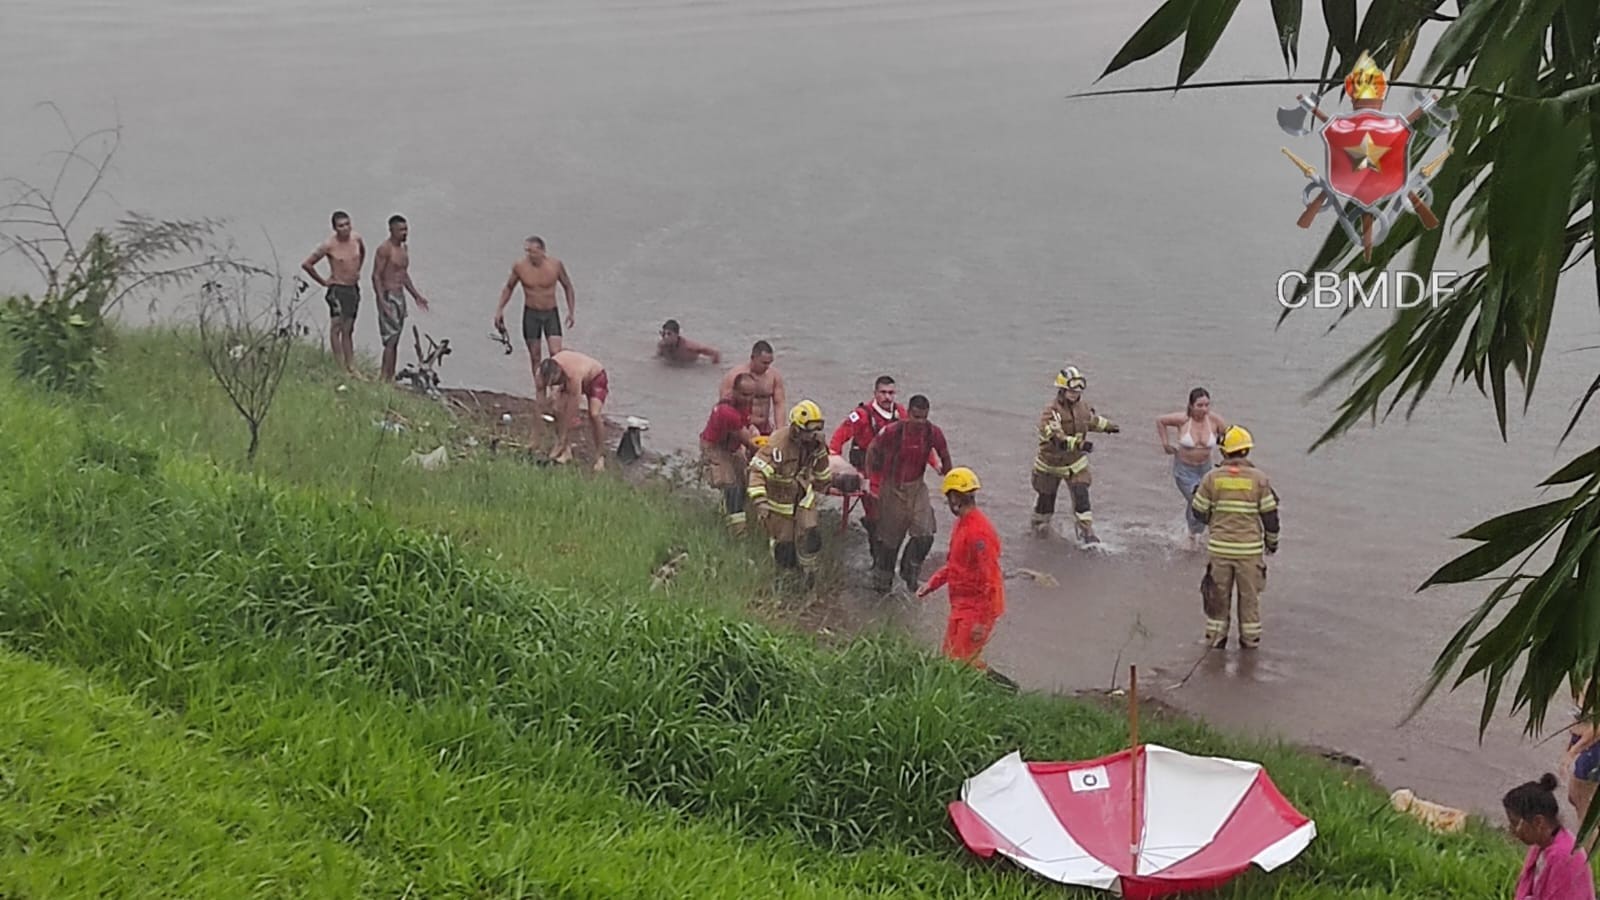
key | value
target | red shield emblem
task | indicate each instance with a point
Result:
(1367, 155)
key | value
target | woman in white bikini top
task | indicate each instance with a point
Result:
(1198, 430)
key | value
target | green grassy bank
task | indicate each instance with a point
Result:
(338, 675)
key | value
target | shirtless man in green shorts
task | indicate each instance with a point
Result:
(345, 252)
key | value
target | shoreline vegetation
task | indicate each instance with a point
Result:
(330, 672)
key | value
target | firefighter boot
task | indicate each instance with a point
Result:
(871, 527)
(883, 569)
(911, 563)
(1083, 516)
(1044, 510)
(808, 555)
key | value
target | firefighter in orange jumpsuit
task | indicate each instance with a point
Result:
(972, 571)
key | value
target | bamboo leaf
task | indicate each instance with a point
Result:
(1206, 23)
(1463, 40)
(1518, 39)
(1163, 27)
(1286, 16)
(1530, 197)
(1403, 51)
(1340, 16)
(1585, 466)
(1525, 524)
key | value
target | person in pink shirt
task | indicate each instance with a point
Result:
(1556, 869)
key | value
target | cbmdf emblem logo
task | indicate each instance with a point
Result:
(1370, 175)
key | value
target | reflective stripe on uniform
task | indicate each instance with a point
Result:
(1234, 549)
(1268, 502)
(1235, 506)
(762, 466)
(1233, 483)
(1040, 465)
(1200, 502)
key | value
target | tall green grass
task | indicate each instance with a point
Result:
(509, 671)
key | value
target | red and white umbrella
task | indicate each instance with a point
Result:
(1142, 823)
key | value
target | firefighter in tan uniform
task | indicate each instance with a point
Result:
(1238, 503)
(1063, 455)
(787, 477)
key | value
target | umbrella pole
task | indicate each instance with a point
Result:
(1133, 736)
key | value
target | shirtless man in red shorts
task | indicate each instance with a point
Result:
(568, 373)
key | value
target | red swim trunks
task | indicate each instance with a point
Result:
(596, 388)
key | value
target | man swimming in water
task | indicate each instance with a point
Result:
(674, 347)
(538, 273)
(770, 391)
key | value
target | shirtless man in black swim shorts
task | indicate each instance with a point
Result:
(538, 273)
(346, 253)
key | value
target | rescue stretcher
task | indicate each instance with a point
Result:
(846, 484)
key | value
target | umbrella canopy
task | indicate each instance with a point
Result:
(1200, 820)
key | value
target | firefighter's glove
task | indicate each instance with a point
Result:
(1087, 446)
(1113, 428)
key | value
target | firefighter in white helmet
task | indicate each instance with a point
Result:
(1063, 454)
(787, 477)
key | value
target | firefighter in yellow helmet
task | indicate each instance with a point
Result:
(1238, 503)
(1063, 455)
(787, 477)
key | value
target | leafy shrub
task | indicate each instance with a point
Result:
(60, 340)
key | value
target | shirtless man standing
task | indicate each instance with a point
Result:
(346, 252)
(538, 274)
(391, 279)
(571, 373)
(769, 386)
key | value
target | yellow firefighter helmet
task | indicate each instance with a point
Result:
(806, 416)
(961, 479)
(1236, 440)
(1071, 379)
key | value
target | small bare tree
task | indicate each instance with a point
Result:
(86, 273)
(246, 337)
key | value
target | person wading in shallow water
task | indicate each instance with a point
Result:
(538, 273)
(1555, 867)
(1063, 454)
(1199, 429)
(1237, 501)
(771, 395)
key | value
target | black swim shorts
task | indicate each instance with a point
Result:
(539, 322)
(343, 300)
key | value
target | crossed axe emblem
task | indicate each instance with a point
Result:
(1297, 120)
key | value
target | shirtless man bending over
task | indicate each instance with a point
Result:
(770, 393)
(570, 373)
(391, 280)
(538, 273)
(346, 252)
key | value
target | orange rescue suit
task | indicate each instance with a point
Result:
(977, 586)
